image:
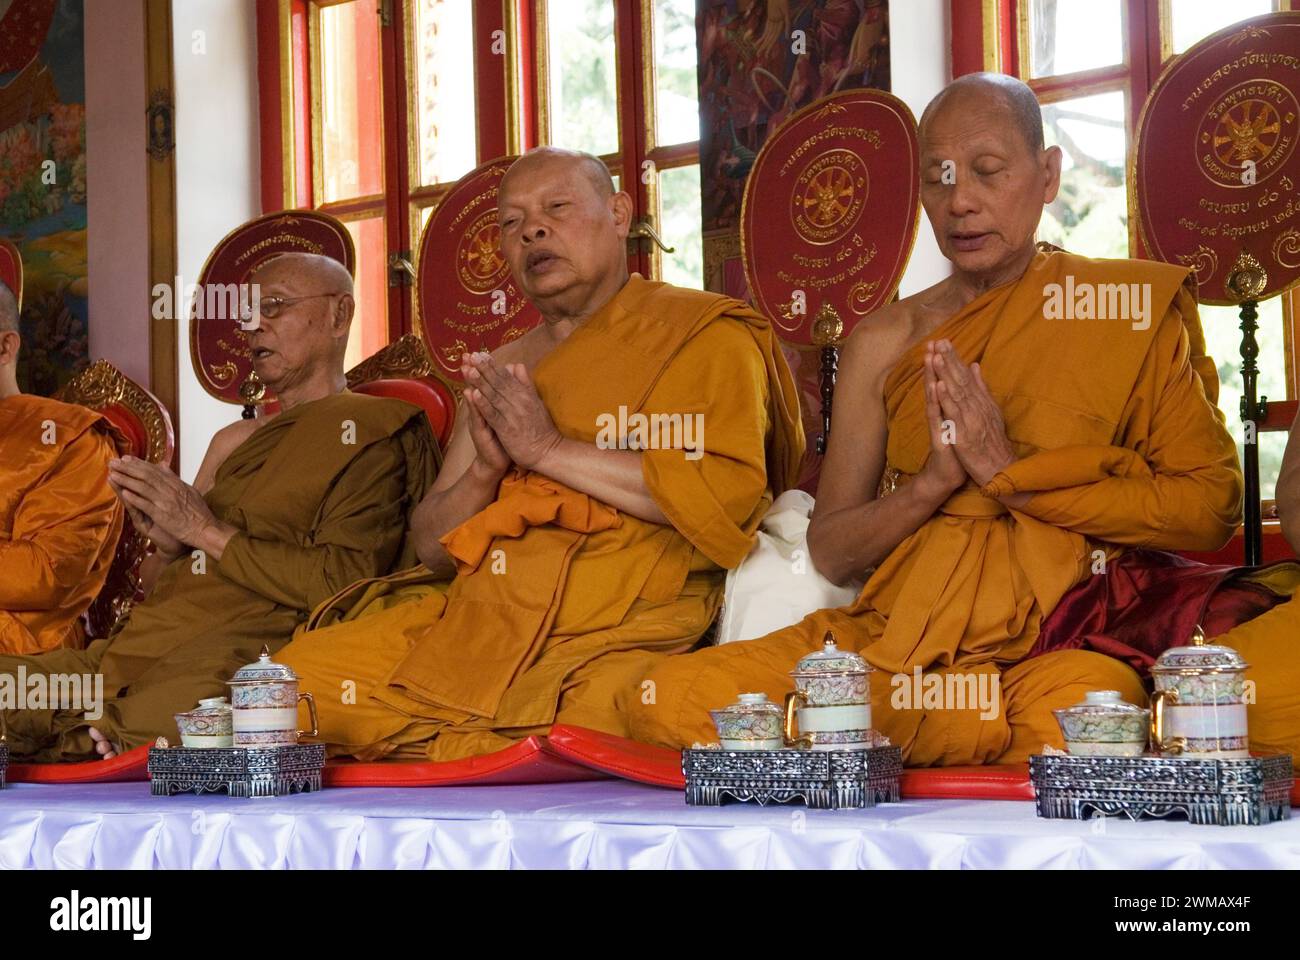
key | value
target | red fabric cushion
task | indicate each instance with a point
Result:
(125, 767)
(130, 425)
(428, 393)
(528, 761)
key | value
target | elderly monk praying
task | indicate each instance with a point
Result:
(285, 511)
(59, 521)
(990, 449)
(578, 530)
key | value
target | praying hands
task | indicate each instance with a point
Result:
(168, 511)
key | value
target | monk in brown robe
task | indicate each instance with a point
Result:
(997, 439)
(605, 470)
(59, 521)
(285, 511)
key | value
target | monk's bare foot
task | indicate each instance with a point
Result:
(105, 749)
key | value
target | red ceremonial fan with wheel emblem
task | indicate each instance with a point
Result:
(219, 349)
(468, 300)
(830, 214)
(1215, 184)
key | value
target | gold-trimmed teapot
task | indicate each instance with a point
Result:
(264, 701)
(1198, 709)
(831, 704)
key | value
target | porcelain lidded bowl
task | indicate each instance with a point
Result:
(210, 724)
(1199, 705)
(264, 699)
(831, 699)
(752, 723)
(1104, 725)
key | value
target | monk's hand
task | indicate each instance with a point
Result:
(943, 471)
(506, 399)
(979, 433)
(174, 508)
(490, 458)
(168, 546)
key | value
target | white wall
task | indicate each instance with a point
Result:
(920, 59)
(117, 188)
(217, 171)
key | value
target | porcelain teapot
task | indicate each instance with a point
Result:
(264, 699)
(831, 702)
(1199, 706)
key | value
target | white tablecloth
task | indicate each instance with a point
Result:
(598, 824)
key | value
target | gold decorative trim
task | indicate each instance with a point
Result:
(542, 57)
(314, 73)
(406, 358)
(288, 133)
(102, 385)
(992, 36)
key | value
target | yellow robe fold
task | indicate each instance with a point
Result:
(321, 496)
(554, 587)
(59, 519)
(1118, 445)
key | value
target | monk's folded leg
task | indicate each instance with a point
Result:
(48, 728)
(1033, 688)
(942, 718)
(341, 665)
(673, 706)
(1271, 645)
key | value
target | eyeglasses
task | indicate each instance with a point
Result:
(271, 307)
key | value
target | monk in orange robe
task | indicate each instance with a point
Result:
(285, 511)
(997, 439)
(605, 470)
(59, 521)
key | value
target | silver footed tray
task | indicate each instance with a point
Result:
(4, 763)
(238, 771)
(823, 780)
(1251, 790)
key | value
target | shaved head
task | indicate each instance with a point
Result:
(564, 231)
(314, 269)
(586, 164)
(8, 309)
(1022, 110)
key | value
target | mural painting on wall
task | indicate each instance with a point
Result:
(43, 181)
(759, 62)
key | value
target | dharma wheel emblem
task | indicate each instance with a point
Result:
(478, 260)
(829, 196)
(1253, 123)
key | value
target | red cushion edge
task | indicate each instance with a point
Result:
(629, 759)
(529, 761)
(129, 767)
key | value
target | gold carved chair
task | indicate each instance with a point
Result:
(148, 428)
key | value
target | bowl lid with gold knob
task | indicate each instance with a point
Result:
(749, 704)
(1200, 656)
(830, 659)
(1102, 703)
(263, 670)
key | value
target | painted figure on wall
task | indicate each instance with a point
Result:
(43, 180)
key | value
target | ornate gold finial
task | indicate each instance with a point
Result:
(827, 328)
(1247, 278)
(1198, 637)
(266, 651)
(252, 390)
(829, 638)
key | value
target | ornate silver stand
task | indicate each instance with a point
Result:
(830, 780)
(4, 763)
(1227, 792)
(239, 771)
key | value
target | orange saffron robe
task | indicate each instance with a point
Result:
(59, 519)
(1119, 444)
(560, 599)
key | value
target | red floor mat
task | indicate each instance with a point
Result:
(528, 761)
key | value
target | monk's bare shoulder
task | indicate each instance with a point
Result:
(224, 442)
(880, 340)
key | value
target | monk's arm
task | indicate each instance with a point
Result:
(362, 522)
(466, 484)
(614, 477)
(1171, 481)
(852, 530)
(60, 528)
(1288, 488)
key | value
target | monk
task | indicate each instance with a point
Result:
(605, 470)
(59, 521)
(992, 446)
(285, 510)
